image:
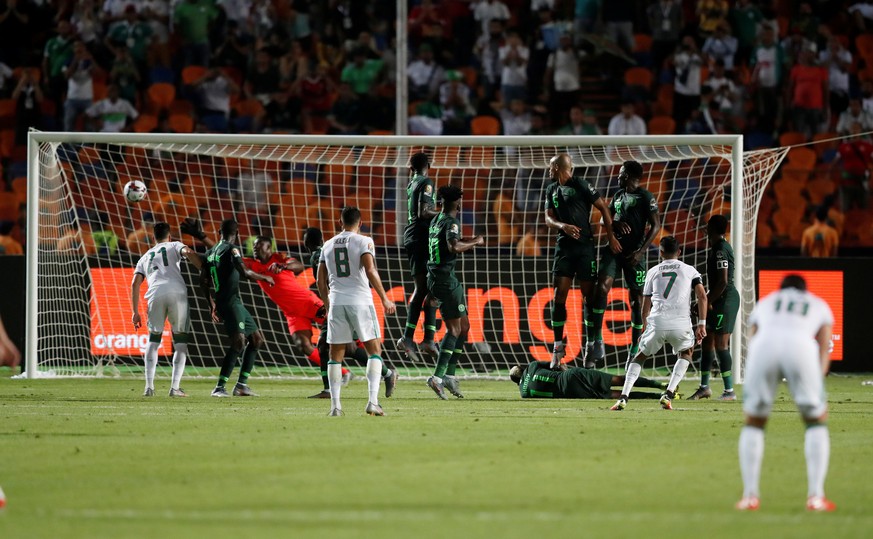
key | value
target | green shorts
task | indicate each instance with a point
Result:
(236, 318)
(611, 264)
(723, 315)
(587, 384)
(417, 255)
(575, 260)
(450, 294)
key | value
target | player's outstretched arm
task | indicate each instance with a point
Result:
(606, 212)
(194, 228)
(369, 264)
(249, 274)
(291, 264)
(702, 307)
(134, 299)
(554, 224)
(458, 246)
(192, 257)
(323, 290)
(824, 347)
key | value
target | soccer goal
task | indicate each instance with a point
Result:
(84, 237)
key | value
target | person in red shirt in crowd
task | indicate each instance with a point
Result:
(855, 156)
(808, 93)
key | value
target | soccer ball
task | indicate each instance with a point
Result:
(134, 191)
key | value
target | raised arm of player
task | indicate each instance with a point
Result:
(458, 246)
(369, 264)
(134, 299)
(566, 228)
(194, 228)
(823, 337)
(291, 264)
(614, 245)
(192, 257)
(321, 282)
(249, 274)
(702, 306)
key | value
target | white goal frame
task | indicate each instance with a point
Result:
(36, 138)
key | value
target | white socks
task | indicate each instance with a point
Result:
(818, 452)
(179, 358)
(151, 363)
(630, 378)
(751, 455)
(335, 379)
(678, 373)
(374, 377)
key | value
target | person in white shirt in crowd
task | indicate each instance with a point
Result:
(686, 86)
(113, 112)
(724, 91)
(513, 58)
(562, 82)
(855, 113)
(425, 75)
(721, 46)
(80, 84)
(790, 339)
(627, 122)
(485, 11)
(487, 50)
(837, 60)
(215, 90)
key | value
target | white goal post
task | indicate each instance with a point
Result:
(83, 237)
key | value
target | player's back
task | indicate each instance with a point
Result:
(220, 265)
(161, 267)
(346, 278)
(419, 190)
(792, 311)
(670, 284)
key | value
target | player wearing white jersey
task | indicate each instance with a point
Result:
(667, 319)
(790, 338)
(167, 298)
(346, 269)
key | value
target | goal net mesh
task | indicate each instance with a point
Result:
(90, 237)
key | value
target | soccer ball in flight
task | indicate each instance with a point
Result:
(134, 191)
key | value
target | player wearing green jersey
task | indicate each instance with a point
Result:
(421, 210)
(568, 210)
(444, 246)
(633, 209)
(724, 303)
(538, 381)
(219, 281)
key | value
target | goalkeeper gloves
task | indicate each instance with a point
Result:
(192, 227)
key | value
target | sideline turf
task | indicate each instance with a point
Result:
(92, 458)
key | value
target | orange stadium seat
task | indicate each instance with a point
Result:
(181, 123)
(160, 96)
(7, 143)
(485, 125)
(791, 138)
(638, 76)
(192, 74)
(864, 44)
(662, 125)
(8, 206)
(145, 123)
(802, 158)
(819, 189)
(642, 42)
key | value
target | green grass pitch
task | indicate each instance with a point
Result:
(92, 458)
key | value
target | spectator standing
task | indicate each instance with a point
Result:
(721, 46)
(28, 97)
(263, 80)
(80, 84)
(132, 34)
(214, 90)
(724, 92)
(485, 11)
(746, 19)
(113, 112)
(855, 114)
(665, 22)
(618, 23)
(808, 90)
(56, 55)
(768, 69)
(562, 78)
(191, 22)
(513, 58)
(515, 119)
(17, 23)
(837, 60)
(487, 50)
(315, 91)
(457, 109)
(345, 117)
(686, 85)
(125, 74)
(626, 122)
(855, 157)
(710, 14)
(5, 75)
(425, 75)
(820, 239)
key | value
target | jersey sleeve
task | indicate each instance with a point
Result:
(827, 316)
(141, 267)
(652, 202)
(367, 246)
(721, 259)
(427, 195)
(453, 230)
(589, 193)
(648, 288)
(548, 203)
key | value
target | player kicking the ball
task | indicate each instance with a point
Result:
(346, 269)
(167, 298)
(667, 319)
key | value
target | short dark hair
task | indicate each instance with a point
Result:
(229, 227)
(670, 245)
(822, 213)
(351, 216)
(161, 231)
(261, 238)
(633, 169)
(793, 280)
(718, 224)
(313, 236)
(450, 193)
(419, 161)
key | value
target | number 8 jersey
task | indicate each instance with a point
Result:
(160, 266)
(345, 273)
(670, 284)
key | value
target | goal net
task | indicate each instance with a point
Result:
(85, 237)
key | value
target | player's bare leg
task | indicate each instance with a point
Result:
(559, 319)
(630, 378)
(678, 373)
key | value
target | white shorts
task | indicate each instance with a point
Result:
(774, 357)
(653, 339)
(345, 323)
(172, 307)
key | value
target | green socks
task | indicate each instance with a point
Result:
(447, 348)
(706, 359)
(559, 318)
(248, 363)
(725, 362)
(429, 321)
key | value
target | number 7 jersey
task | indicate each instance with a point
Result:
(670, 284)
(160, 266)
(346, 278)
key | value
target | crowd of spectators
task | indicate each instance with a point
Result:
(774, 70)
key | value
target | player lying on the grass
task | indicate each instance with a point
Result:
(313, 240)
(444, 246)
(790, 337)
(346, 270)
(539, 381)
(167, 298)
(219, 281)
(667, 319)
(632, 209)
(568, 210)
(421, 210)
(724, 303)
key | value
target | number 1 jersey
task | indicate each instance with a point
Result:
(346, 278)
(160, 265)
